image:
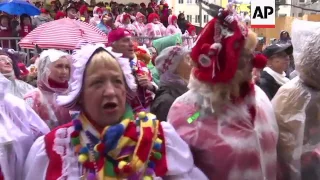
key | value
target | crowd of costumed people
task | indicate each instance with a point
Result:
(149, 22)
(162, 111)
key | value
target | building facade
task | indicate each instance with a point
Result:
(288, 10)
(191, 10)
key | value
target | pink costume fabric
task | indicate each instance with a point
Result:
(188, 36)
(154, 30)
(95, 20)
(173, 27)
(43, 98)
(130, 27)
(139, 26)
(117, 22)
(229, 146)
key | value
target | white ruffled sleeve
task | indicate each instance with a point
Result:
(179, 157)
(37, 162)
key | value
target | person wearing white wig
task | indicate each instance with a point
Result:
(297, 107)
(19, 127)
(106, 140)
(53, 69)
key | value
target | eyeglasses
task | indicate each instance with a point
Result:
(5, 59)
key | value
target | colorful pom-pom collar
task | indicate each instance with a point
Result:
(129, 149)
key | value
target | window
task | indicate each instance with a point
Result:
(205, 18)
(180, 2)
(189, 1)
(189, 18)
(197, 19)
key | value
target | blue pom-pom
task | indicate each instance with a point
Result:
(84, 150)
(145, 119)
(112, 136)
(77, 124)
(157, 146)
(151, 165)
(138, 122)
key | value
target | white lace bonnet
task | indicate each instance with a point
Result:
(80, 59)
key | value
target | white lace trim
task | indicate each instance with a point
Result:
(70, 169)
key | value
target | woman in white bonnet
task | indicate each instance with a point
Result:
(19, 128)
(297, 107)
(53, 68)
(107, 140)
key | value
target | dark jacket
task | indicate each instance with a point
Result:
(268, 84)
(164, 98)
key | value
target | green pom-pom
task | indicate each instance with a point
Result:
(75, 141)
(157, 155)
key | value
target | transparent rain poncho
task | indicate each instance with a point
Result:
(297, 107)
(43, 99)
(16, 87)
(19, 128)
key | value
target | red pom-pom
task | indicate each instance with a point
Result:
(117, 170)
(101, 147)
(259, 61)
(75, 134)
(127, 169)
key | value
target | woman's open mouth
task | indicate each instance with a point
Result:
(110, 106)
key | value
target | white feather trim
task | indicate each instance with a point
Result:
(127, 72)
(217, 46)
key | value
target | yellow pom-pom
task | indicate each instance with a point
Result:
(122, 164)
(142, 115)
(82, 158)
(159, 141)
(147, 178)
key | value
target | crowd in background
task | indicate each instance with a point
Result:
(152, 20)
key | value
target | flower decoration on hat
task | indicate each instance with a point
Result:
(217, 50)
(125, 17)
(142, 54)
(83, 9)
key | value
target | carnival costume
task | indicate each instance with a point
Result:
(140, 26)
(139, 147)
(232, 136)
(42, 99)
(130, 27)
(173, 27)
(154, 29)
